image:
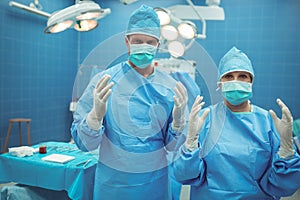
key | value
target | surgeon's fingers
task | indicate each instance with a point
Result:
(177, 101)
(102, 83)
(181, 94)
(181, 89)
(273, 115)
(286, 113)
(103, 89)
(105, 92)
(197, 106)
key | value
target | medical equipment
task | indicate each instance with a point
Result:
(82, 16)
(21, 151)
(171, 65)
(178, 33)
(84, 163)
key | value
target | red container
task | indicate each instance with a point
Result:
(43, 149)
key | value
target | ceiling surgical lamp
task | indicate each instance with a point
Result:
(82, 16)
(187, 30)
(163, 15)
(177, 35)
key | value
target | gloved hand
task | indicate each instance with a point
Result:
(284, 127)
(101, 93)
(180, 102)
(195, 124)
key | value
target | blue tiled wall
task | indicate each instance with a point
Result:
(37, 70)
(36, 74)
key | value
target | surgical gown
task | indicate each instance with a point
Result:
(135, 136)
(237, 158)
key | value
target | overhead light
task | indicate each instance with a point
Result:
(193, 12)
(82, 16)
(187, 30)
(85, 25)
(169, 32)
(177, 35)
(176, 49)
(60, 26)
(163, 15)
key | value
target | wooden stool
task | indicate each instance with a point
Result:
(19, 120)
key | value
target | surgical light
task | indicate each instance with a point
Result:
(88, 15)
(82, 16)
(169, 32)
(85, 25)
(61, 26)
(176, 49)
(187, 30)
(177, 35)
(163, 16)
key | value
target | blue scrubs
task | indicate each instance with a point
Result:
(135, 136)
(237, 158)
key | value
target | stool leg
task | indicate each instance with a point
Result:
(28, 133)
(20, 133)
(7, 137)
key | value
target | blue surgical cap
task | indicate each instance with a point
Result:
(235, 60)
(144, 21)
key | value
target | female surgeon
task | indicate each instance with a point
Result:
(133, 114)
(234, 149)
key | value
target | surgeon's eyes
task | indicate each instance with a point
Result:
(150, 42)
(228, 77)
(136, 41)
(243, 77)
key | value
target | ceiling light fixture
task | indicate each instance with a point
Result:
(178, 34)
(187, 30)
(163, 15)
(82, 16)
(169, 32)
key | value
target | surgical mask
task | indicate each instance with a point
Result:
(236, 92)
(142, 55)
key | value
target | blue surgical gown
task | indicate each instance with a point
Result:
(135, 136)
(237, 158)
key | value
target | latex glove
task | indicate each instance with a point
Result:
(180, 102)
(284, 127)
(195, 124)
(101, 93)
